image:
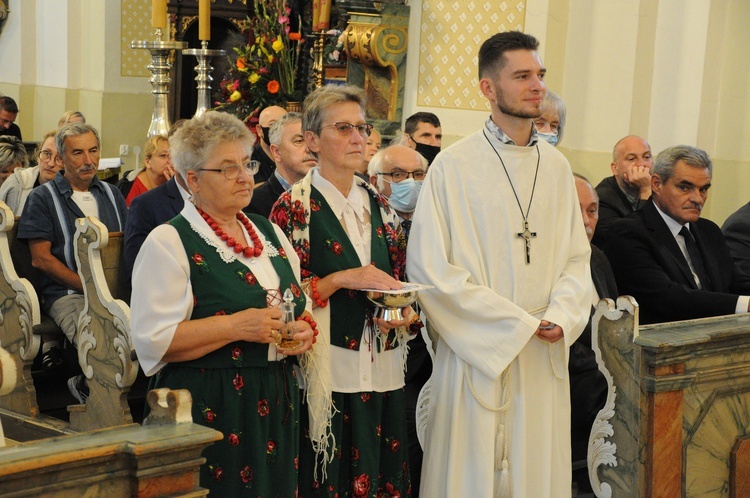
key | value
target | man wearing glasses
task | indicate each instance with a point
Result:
(48, 224)
(398, 172)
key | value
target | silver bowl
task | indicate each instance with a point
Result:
(389, 305)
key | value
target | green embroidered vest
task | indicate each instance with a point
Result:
(331, 251)
(221, 288)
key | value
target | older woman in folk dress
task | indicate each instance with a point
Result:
(202, 318)
(348, 239)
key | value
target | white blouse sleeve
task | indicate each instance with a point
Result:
(162, 296)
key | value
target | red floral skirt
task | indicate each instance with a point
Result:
(257, 410)
(371, 449)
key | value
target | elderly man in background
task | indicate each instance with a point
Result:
(292, 158)
(267, 117)
(397, 172)
(629, 187)
(675, 263)
(48, 224)
(588, 387)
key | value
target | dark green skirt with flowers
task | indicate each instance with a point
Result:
(371, 449)
(257, 410)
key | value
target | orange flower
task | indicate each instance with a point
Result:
(241, 63)
(273, 86)
(295, 36)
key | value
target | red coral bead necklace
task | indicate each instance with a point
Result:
(247, 251)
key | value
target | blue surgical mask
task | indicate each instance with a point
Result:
(550, 138)
(404, 195)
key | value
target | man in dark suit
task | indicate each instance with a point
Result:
(676, 264)
(292, 158)
(8, 114)
(149, 210)
(588, 387)
(737, 234)
(629, 187)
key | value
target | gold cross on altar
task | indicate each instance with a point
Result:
(527, 235)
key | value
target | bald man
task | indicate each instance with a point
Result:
(267, 117)
(629, 187)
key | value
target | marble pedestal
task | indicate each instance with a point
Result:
(677, 418)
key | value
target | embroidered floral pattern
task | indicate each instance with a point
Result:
(361, 485)
(263, 408)
(200, 262)
(246, 474)
(270, 451)
(238, 383)
(209, 415)
(233, 439)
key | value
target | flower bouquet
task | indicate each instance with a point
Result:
(263, 71)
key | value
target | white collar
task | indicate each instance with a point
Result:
(672, 224)
(337, 202)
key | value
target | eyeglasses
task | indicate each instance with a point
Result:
(46, 156)
(345, 129)
(233, 171)
(399, 175)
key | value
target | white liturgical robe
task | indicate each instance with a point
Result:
(485, 307)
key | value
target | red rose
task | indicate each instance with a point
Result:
(270, 447)
(314, 206)
(250, 278)
(316, 485)
(218, 474)
(395, 445)
(233, 439)
(198, 258)
(352, 344)
(298, 215)
(282, 252)
(365, 397)
(296, 463)
(337, 249)
(295, 290)
(238, 382)
(209, 415)
(263, 408)
(236, 352)
(246, 474)
(220, 313)
(280, 217)
(361, 485)
(355, 454)
(347, 419)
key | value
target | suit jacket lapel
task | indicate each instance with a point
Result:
(666, 240)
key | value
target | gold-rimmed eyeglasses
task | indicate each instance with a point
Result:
(233, 171)
(345, 129)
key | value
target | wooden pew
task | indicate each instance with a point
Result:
(677, 417)
(161, 458)
(19, 314)
(105, 350)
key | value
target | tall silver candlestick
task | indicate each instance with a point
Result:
(160, 80)
(203, 78)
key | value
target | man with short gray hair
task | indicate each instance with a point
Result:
(676, 264)
(48, 224)
(292, 158)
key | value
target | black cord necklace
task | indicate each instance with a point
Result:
(527, 234)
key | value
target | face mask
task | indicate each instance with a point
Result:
(550, 138)
(266, 134)
(404, 195)
(428, 151)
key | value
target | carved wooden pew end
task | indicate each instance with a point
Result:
(169, 407)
